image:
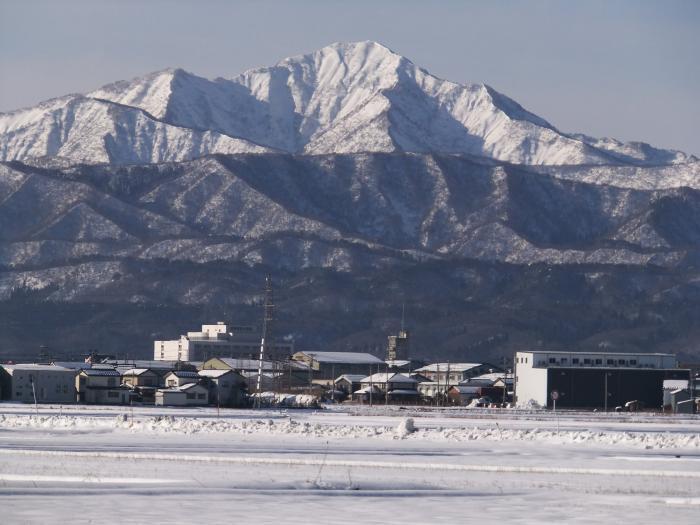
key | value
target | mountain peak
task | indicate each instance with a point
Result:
(351, 97)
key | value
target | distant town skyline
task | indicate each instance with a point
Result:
(625, 69)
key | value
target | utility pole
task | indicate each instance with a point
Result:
(606, 391)
(371, 386)
(268, 311)
(437, 390)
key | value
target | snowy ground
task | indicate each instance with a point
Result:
(103, 464)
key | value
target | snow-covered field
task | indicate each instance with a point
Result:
(350, 464)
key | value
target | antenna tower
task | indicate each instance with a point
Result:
(269, 308)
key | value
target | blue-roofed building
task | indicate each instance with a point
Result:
(178, 378)
(101, 386)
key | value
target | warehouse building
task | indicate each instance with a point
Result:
(49, 383)
(593, 380)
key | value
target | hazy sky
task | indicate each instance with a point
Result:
(626, 69)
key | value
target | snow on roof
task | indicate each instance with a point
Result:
(397, 362)
(215, 373)
(143, 363)
(109, 372)
(135, 371)
(675, 384)
(184, 373)
(392, 378)
(495, 376)
(76, 365)
(36, 367)
(190, 385)
(353, 378)
(366, 390)
(252, 364)
(344, 357)
(403, 392)
(454, 367)
(464, 389)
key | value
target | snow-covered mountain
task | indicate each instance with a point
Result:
(358, 179)
(344, 98)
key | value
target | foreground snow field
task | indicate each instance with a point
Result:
(101, 464)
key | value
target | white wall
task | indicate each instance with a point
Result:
(52, 386)
(530, 382)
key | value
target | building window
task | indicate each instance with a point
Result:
(633, 361)
(552, 360)
(190, 396)
(575, 360)
(598, 361)
(201, 396)
(586, 361)
(564, 360)
(610, 361)
(621, 361)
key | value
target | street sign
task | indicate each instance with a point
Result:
(554, 394)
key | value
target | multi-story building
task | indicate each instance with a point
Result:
(219, 340)
(45, 383)
(101, 386)
(397, 347)
(593, 379)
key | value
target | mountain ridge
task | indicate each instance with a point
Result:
(344, 98)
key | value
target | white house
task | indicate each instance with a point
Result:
(390, 386)
(453, 373)
(52, 384)
(191, 394)
(178, 378)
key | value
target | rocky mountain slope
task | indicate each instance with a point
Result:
(361, 182)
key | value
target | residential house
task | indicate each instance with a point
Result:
(191, 394)
(226, 387)
(101, 386)
(178, 378)
(449, 374)
(391, 387)
(464, 394)
(349, 383)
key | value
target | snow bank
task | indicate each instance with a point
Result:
(405, 430)
(274, 399)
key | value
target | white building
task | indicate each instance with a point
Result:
(453, 373)
(593, 379)
(52, 384)
(178, 378)
(191, 394)
(219, 340)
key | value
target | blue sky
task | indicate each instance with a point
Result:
(626, 69)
